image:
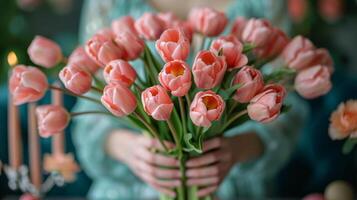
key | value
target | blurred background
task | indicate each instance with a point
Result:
(317, 160)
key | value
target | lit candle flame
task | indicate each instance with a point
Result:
(12, 58)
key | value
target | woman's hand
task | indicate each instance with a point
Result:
(208, 170)
(137, 152)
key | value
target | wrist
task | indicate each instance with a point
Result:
(247, 147)
(116, 144)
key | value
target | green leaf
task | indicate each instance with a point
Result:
(98, 83)
(248, 47)
(279, 74)
(176, 120)
(285, 108)
(228, 93)
(349, 145)
(192, 145)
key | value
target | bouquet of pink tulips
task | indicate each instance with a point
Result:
(178, 100)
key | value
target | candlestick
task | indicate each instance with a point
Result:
(58, 140)
(14, 135)
(34, 147)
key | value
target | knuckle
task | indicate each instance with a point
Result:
(215, 180)
(215, 170)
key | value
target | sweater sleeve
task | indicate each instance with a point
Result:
(89, 135)
(253, 178)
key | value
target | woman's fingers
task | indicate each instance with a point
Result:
(157, 171)
(203, 181)
(154, 143)
(211, 144)
(168, 183)
(205, 159)
(203, 172)
(156, 158)
(164, 190)
(206, 191)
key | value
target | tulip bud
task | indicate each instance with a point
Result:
(27, 84)
(44, 52)
(76, 79)
(206, 107)
(266, 106)
(51, 119)
(119, 100)
(176, 77)
(208, 70)
(251, 81)
(119, 72)
(157, 103)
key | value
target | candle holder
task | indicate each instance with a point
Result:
(19, 179)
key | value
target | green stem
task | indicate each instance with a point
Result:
(203, 43)
(235, 104)
(75, 95)
(148, 71)
(100, 91)
(151, 129)
(75, 114)
(183, 115)
(182, 189)
(188, 100)
(137, 87)
(231, 120)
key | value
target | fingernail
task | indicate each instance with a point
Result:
(177, 183)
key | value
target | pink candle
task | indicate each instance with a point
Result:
(34, 147)
(58, 140)
(14, 135)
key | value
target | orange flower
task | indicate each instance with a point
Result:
(344, 121)
(63, 164)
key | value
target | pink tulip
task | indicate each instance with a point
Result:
(173, 45)
(232, 51)
(157, 103)
(80, 58)
(119, 72)
(298, 9)
(132, 45)
(251, 81)
(343, 121)
(331, 10)
(51, 119)
(275, 45)
(208, 70)
(206, 107)
(314, 197)
(124, 24)
(28, 5)
(27, 84)
(44, 52)
(323, 57)
(257, 32)
(313, 82)
(238, 27)
(76, 79)
(265, 106)
(207, 21)
(119, 100)
(102, 50)
(176, 77)
(299, 53)
(107, 33)
(169, 19)
(149, 26)
(28, 196)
